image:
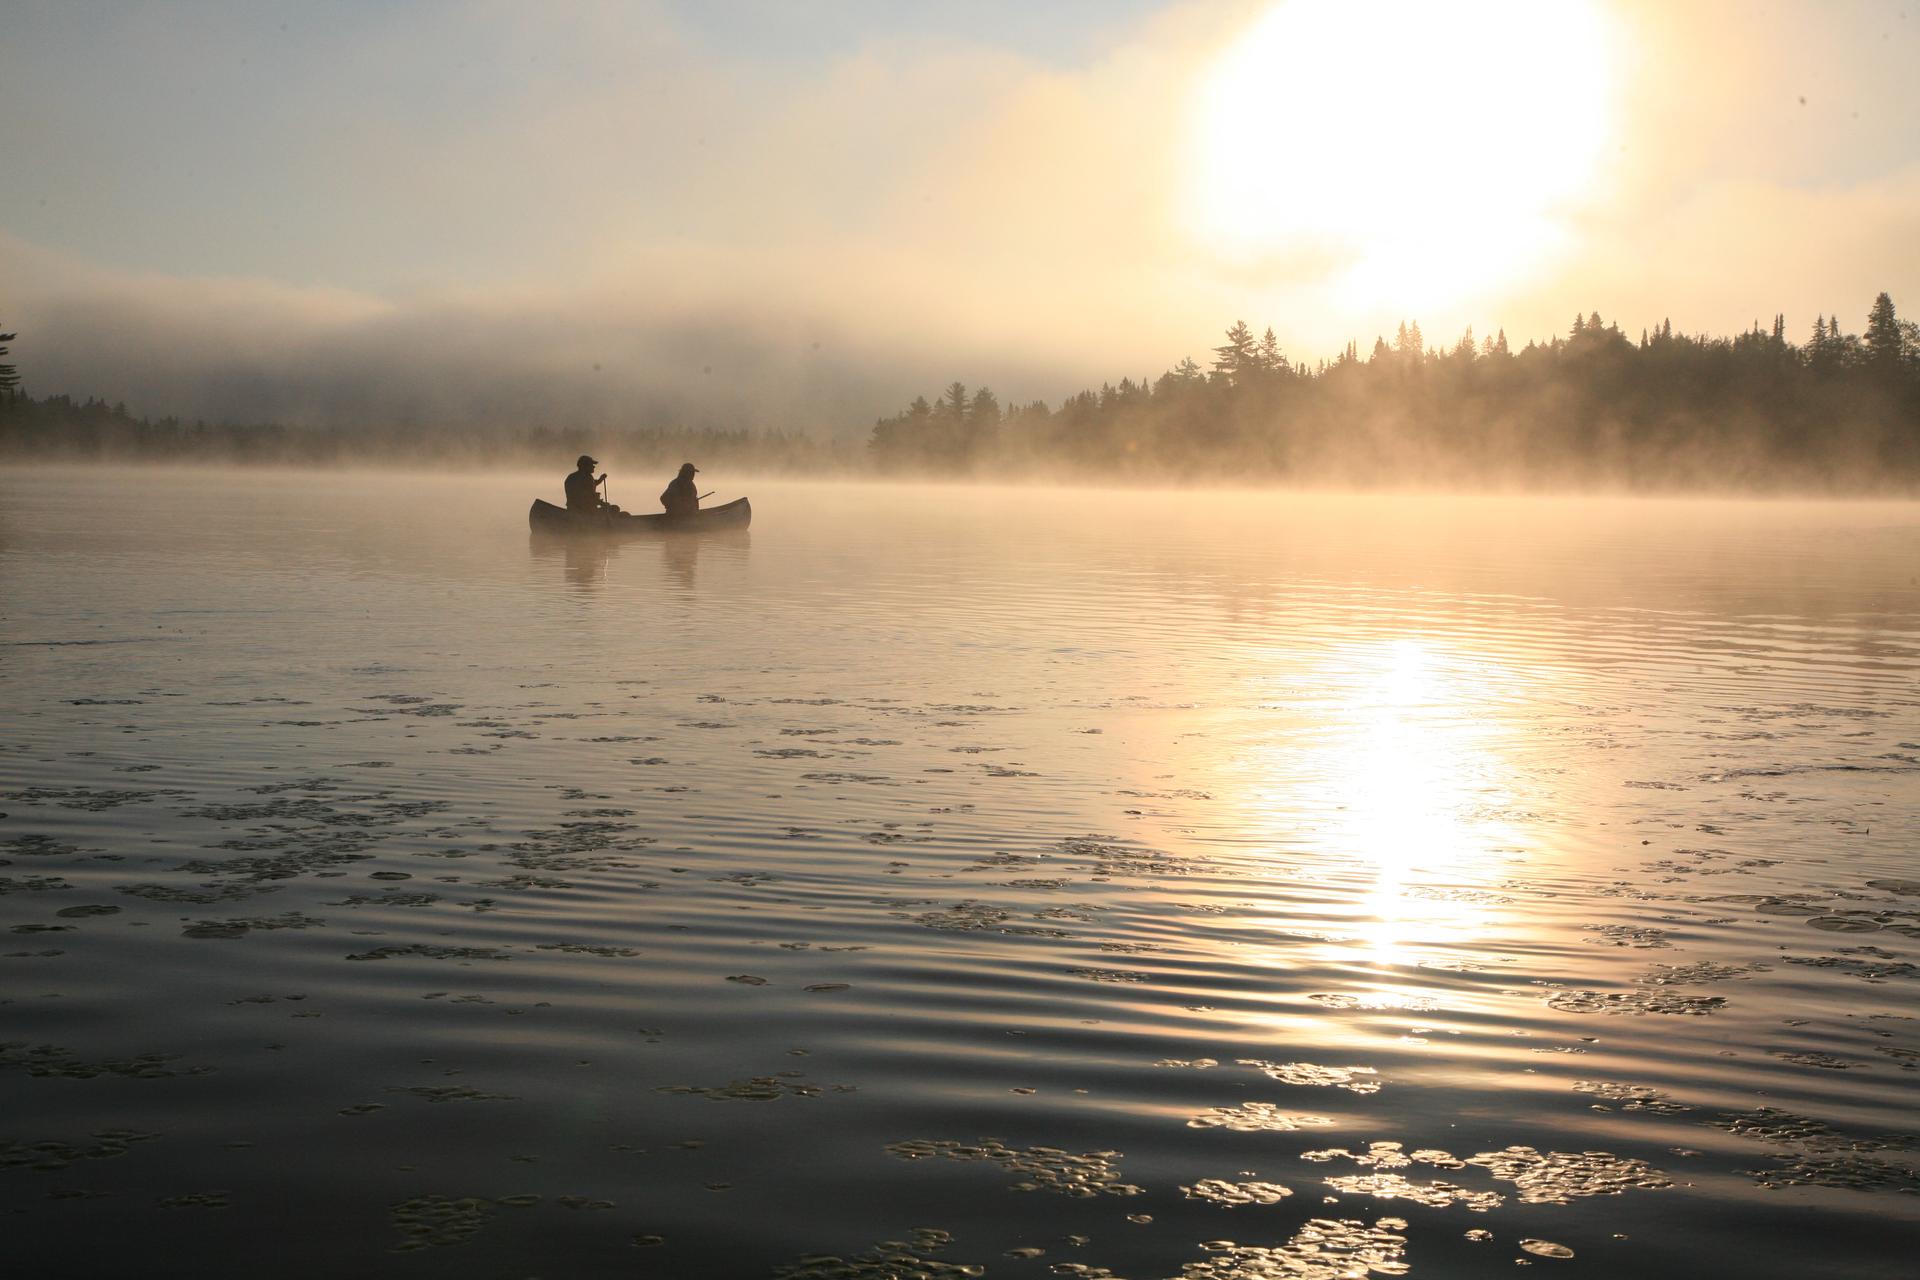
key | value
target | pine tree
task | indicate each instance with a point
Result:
(1238, 358)
(9, 376)
(1883, 336)
(983, 410)
(1271, 358)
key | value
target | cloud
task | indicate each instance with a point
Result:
(491, 214)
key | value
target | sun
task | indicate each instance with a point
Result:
(1402, 151)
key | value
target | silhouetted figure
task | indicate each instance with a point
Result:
(583, 490)
(681, 497)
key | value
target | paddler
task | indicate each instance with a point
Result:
(583, 489)
(681, 497)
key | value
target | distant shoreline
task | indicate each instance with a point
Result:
(1594, 411)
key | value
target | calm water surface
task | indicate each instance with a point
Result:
(954, 882)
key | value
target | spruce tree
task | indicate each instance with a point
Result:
(1883, 335)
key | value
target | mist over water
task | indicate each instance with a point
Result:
(1157, 884)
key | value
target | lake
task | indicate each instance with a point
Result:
(954, 881)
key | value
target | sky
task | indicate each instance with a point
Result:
(797, 216)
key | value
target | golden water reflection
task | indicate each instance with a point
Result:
(1401, 752)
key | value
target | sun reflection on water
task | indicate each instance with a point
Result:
(1408, 778)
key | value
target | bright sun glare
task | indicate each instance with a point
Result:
(1414, 152)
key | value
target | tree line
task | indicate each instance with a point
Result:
(62, 428)
(1591, 407)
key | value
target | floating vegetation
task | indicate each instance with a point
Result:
(1560, 1177)
(199, 896)
(1819, 1155)
(1434, 1195)
(1378, 1000)
(34, 845)
(434, 1221)
(91, 799)
(1847, 923)
(31, 884)
(1843, 1170)
(1626, 935)
(1633, 1097)
(1111, 975)
(1546, 1249)
(1810, 1058)
(972, 917)
(386, 900)
(1703, 973)
(1255, 1117)
(51, 1157)
(1087, 1174)
(56, 1060)
(1106, 857)
(886, 1260)
(1867, 967)
(1635, 1002)
(311, 851)
(1353, 1079)
(431, 951)
(452, 1093)
(196, 1200)
(239, 928)
(1772, 1124)
(1233, 1194)
(1799, 904)
(587, 949)
(1386, 1155)
(585, 845)
(1322, 1249)
(772, 1088)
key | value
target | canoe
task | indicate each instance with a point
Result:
(544, 517)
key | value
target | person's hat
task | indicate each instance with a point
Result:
(585, 461)
(688, 467)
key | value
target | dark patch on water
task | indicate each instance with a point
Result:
(1052, 1169)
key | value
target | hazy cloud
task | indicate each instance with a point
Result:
(494, 212)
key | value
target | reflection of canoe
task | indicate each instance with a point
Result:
(544, 517)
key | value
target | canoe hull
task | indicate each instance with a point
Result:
(544, 517)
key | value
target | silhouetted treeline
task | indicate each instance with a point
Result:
(63, 429)
(1668, 410)
(1594, 407)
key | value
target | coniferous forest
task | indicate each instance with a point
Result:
(1662, 410)
(1595, 407)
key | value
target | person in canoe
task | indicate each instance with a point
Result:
(583, 489)
(681, 497)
